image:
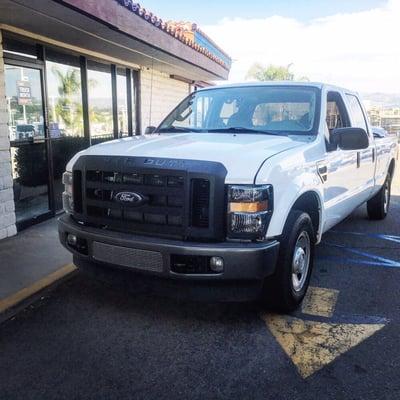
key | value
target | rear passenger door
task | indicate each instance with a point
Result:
(365, 158)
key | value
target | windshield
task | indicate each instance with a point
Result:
(251, 109)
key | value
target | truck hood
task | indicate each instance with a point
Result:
(241, 154)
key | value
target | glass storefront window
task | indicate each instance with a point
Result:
(64, 100)
(35, 150)
(100, 102)
(65, 115)
(27, 140)
(122, 102)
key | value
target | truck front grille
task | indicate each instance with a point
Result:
(128, 195)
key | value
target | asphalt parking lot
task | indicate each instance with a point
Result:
(88, 340)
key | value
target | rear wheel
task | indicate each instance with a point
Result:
(286, 289)
(378, 206)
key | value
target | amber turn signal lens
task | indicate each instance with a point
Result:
(249, 207)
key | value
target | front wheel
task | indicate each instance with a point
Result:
(378, 206)
(286, 289)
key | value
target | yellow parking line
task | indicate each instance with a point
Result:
(24, 293)
(311, 345)
(320, 301)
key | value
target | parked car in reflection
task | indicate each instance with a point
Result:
(25, 131)
(379, 132)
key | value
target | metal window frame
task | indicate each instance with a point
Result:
(85, 98)
(136, 78)
(129, 100)
(114, 95)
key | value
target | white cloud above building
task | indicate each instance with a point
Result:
(358, 50)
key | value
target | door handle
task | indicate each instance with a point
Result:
(373, 155)
(323, 172)
(358, 159)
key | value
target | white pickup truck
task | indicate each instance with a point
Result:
(231, 192)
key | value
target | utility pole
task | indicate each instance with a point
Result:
(23, 106)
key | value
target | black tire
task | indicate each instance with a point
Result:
(378, 206)
(279, 291)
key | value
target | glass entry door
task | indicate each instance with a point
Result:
(30, 168)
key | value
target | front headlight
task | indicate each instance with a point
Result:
(67, 196)
(249, 210)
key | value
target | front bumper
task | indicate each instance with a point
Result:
(242, 261)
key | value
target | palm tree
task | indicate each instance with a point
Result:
(68, 108)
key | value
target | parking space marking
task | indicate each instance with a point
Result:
(320, 301)
(311, 345)
(369, 258)
(392, 238)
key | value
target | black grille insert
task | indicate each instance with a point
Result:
(77, 190)
(200, 203)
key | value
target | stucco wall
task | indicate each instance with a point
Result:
(159, 95)
(7, 215)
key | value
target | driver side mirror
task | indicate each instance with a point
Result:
(350, 138)
(149, 130)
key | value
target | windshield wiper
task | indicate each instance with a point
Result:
(239, 129)
(177, 129)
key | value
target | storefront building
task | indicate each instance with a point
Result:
(77, 73)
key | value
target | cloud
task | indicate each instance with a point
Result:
(355, 50)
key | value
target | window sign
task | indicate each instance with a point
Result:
(24, 92)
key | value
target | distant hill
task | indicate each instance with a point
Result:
(382, 99)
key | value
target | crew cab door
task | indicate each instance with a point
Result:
(339, 169)
(365, 175)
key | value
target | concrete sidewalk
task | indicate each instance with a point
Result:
(31, 261)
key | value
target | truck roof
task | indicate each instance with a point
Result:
(318, 85)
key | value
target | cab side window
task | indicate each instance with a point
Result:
(357, 114)
(336, 116)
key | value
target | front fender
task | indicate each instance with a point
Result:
(291, 178)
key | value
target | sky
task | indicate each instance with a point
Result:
(206, 12)
(353, 43)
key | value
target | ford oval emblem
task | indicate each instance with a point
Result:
(130, 198)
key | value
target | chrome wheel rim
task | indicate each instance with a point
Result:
(386, 198)
(301, 261)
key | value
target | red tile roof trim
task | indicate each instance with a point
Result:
(171, 30)
(194, 28)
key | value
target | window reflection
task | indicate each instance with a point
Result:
(65, 100)
(100, 102)
(24, 103)
(122, 102)
(28, 151)
(65, 115)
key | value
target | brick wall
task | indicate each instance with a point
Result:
(164, 93)
(7, 215)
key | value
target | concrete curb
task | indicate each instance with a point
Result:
(17, 298)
